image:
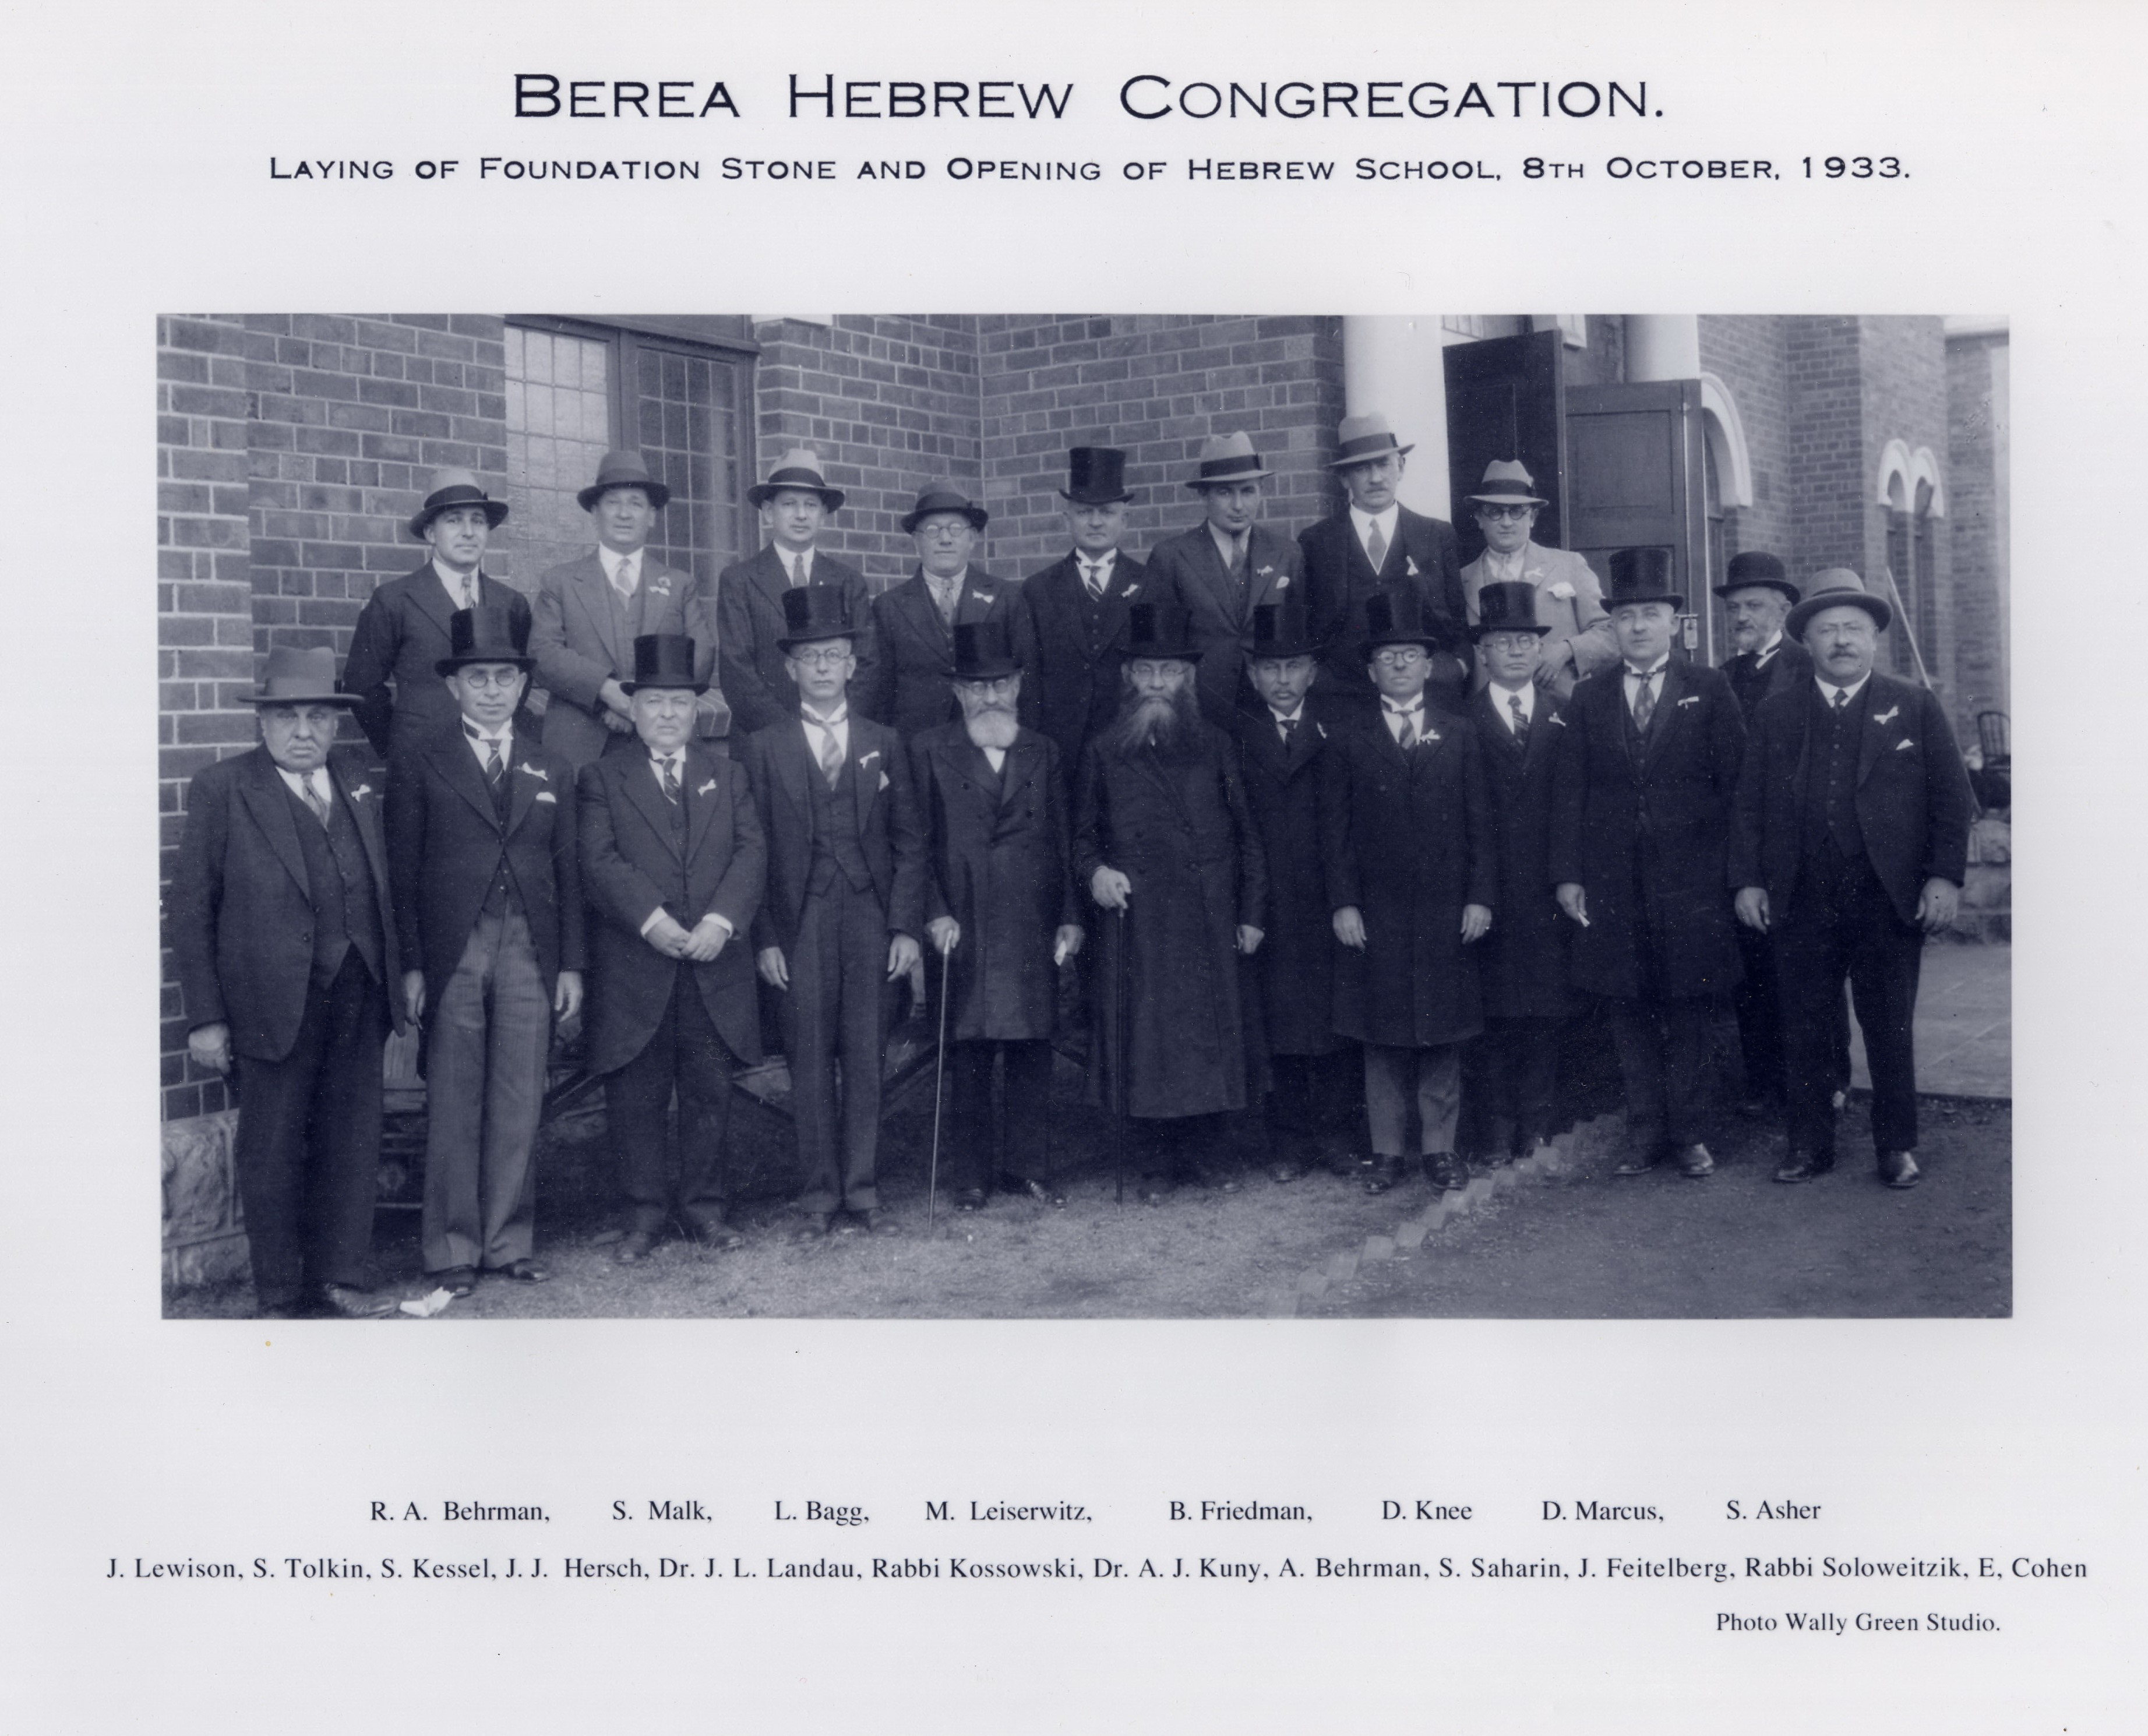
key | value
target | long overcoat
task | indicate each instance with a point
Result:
(1524, 958)
(1294, 971)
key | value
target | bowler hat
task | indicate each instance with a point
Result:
(814, 612)
(1641, 575)
(296, 677)
(1397, 618)
(982, 651)
(1831, 589)
(1507, 483)
(944, 497)
(1159, 630)
(455, 487)
(1227, 459)
(1362, 438)
(1508, 606)
(663, 660)
(1754, 567)
(487, 634)
(1096, 476)
(1281, 630)
(800, 469)
(623, 469)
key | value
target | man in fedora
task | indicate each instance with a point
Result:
(402, 631)
(845, 905)
(1163, 838)
(674, 864)
(488, 906)
(1851, 842)
(1000, 909)
(795, 503)
(286, 947)
(1411, 871)
(914, 623)
(590, 612)
(1223, 569)
(1639, 849)
(1373, 544)
(1578, 639)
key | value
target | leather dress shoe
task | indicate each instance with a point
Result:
(1443, 1170)
(634, 1248)
(875, 1222)
(714, 1232)
(1898, 1169)
(1805, 1167)
(457, 1279)
(1640, 1163)
(523, 1272)
(336, 1302)
(1378, 1173)
(1042, 1192)
(1695, 1163)
(970, 1199)
(817, 1224)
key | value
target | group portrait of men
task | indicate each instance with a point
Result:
(1297, 842)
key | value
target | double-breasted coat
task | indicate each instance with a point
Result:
(914, 649)
(745, 619)
(1524, 958)
(1406, 840)
(1644, 829)
(1071, 648)
(1339, 580)
(402, 634)
(580, 642)
(1295, 968)
(1188, 569)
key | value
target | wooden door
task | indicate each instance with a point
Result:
(1505, 399)
(1634, 478)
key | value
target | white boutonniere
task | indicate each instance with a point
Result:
(1558, 720)
(1322, 730)
(1887, 716)
(868, 758)
(1409, 567)
(1132, 591)
(1563, 590)
(1429, 736)
(985, 596)
(1266, 573)
(703, 788)
(529, 771)
(362, 789)
(1691, 699)
(661, 585)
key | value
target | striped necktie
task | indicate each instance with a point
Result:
(314, 800)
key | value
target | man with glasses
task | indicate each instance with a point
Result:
(1577, 639)
(914, 623)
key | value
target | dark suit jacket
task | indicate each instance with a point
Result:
(1188, 569)
(1072, 652)
(1339, 579)
(1295, 966)
(242, 913)
(890, 832)
(402, 632)
(1790, 667)
(745, 619)
(1650, 846)
(575, 638)
(914, 651)
(1524, 958)
(1913, 798)
(444, 844)
(632, 865)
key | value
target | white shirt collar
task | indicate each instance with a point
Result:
(452, 582)
(297, 781)
(1103, 560)
(1768, 649)
(1290, 716)
(611, 561)
(1393, 709)
(1657, 668)
(1227, 546)
(1365, 521)
(1526, 693)
(504, 737)
(788, 559)
(1506, 566)
(1828, 690)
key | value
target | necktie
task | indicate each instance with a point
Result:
(1289, 727)
(1092, 575)
(1521, 717)
(670, 764)
(945, 595)
(469, 590)
(831, 750)
(622, 580)
(1841, 698)
(1644, 700)
(1238, 560)
(314, 800)
(798, 569)
(1406, 737)
(1376, 548)
(495, 765)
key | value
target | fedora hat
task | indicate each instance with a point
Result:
(1641, 575)
(812, 613)
(1281, 630)
(1228, 458)
(455, 487)
(663, 660)
(1161, 630)
(623, 469)
(983, 652)
(1507, 483)
(1830, 589)
(1096, 476)
(484, 635)
(799, 467)
(1508, 606)
(1754, 567)
(1397, 618)
(1362, 438)
(297, 677)
(944, 497)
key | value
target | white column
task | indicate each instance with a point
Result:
(1663, 346)
(1391, 365)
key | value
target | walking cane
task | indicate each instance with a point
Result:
(939, 1074)
(1119, 1060)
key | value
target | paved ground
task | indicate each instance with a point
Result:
(1965, 1023)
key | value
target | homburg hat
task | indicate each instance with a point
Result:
(812, 613)
(983, 652)
(1756, 567)
(663, 660)
(1507, 483)
(1397, 618)
(1641, 575)
(1362, 438)
(487, 634)
(455, 487)
(1830, 589)
(800, 469)
(623, 469)
(944, 497)
(1096, 476)
(1228, 458)
(1508, 606)
(1281, 630)
(297, 677)
(1161, 630)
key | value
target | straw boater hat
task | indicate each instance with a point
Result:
(1397, 618)
(1641, 575)
(944, 497)
(1756, 567)
(623, 469)
(663, 660)
(1507, 483)
(800, 469)
(1096, 476)
(1362, 438)
(484, 634)
(455, 487)
(295, 677)
(1226, 458)
(812, 613)
(982, 651)
(1832, 589)
(1159, 630)
(1508, 606)
(1281, 630)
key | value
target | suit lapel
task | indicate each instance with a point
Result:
(696, 773)
(1871, 736)
(1263, 569)
(973, 604)
(794, 765)
(595, 591)
(524, 780)
(365, 815)
(431, 598)
(269, 798)
(867, 776)
(452, 757)
(646, 794)
(913, 597)
(1208, 563)
(1670, 719)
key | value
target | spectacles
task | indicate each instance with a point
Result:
(825, 657)
(487, 679)
(945, 533)
(1510, 641)
(1398, 656)
(1493, 515)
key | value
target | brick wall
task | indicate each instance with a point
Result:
(1976, 523)
(1830, 523)
(1750, 356)
(1904, 377)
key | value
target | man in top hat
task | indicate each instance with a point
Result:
(1411, 869)
(1223, 569)
(1000, 909)
(1281, 752)
(674, 864)
(1851, 842)
(489, 906)
(1373, 544)
(590, 612)
(845, 905)
(1578, 639)
(1518, 726)
(402, 631)
(1071, 627)
(795, 503)
(1163, 837)
(914, 622)
(286, 948)
(1639, 846)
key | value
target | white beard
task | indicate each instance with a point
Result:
(993, 728)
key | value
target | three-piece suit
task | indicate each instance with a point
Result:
(582, 633)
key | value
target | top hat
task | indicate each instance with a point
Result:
(455, 487)
(1507, 483)
(1362, 438)
(295, 677)
(814, 612)
(944, 497)
(1508, 606)
(1830, 589)
(623, 469)
(800, 469)
(982, 651)
(1160, 629)
(1281, 630)
(1397, 618)
(663, 660)
(484, 634)
(1756, 567)
(1228, 458)
(1641, 575)
(1096, 476)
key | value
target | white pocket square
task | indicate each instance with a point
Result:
(1903, 747)
(883, 780)
(547, 795)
